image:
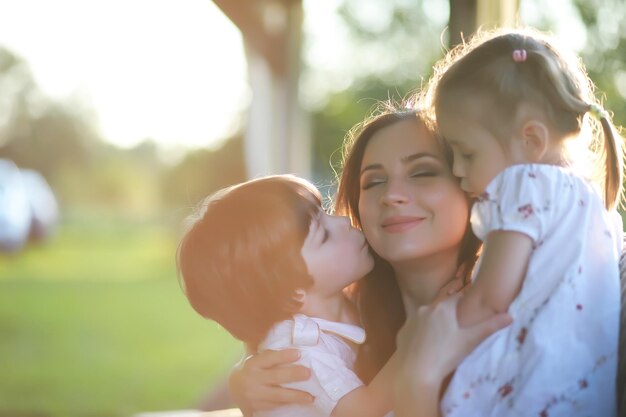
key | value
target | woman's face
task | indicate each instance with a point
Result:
(410, 204)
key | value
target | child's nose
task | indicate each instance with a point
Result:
(344, 221)
(457, 169)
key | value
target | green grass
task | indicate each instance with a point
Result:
(94, 324)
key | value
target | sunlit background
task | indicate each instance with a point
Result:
(133, 110)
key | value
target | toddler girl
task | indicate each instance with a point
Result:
(516, 111)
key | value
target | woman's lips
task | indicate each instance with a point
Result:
(400, 224)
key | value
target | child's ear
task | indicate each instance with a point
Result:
(534, 140)
(299, 295)
(299, 300)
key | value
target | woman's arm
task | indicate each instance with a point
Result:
(255, 381)
(431, 345)
(499, 278)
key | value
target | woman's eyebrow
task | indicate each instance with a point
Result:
(371, 167)
(419, 155)
(405, 160)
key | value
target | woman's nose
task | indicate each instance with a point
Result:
(395, 194)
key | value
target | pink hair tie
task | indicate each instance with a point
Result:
(520, 55)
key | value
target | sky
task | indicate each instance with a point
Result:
(172, 71)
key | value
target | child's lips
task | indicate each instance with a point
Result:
(399, 224)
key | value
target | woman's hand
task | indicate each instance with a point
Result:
(430, 346)
(255, 382)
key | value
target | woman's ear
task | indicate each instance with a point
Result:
(534, 140)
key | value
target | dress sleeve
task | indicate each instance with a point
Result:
(519, 199)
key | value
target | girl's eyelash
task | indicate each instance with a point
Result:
(321, 231)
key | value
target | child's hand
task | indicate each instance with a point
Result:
(457, 285)
(430, 347)
(255, 383)
(431, 344)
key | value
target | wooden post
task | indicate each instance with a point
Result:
(462, 21)
(466, 16)
(277, 138)
(497, 13)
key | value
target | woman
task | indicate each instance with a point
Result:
(397, 186)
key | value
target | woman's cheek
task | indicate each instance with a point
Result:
(368, 213)
(453, 208)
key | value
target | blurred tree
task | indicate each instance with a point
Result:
(19, 96)
(118, 180)
(37, 132)
(604, 52)
(394, 45)
(60, 141)
(203, 172)
(399, 40)
(57, 137)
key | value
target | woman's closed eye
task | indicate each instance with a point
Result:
(423, 173)
(371, 182)
(418, 173)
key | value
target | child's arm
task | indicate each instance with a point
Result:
(499, 279)
(430, 346)
(375, 399)
(417, 398)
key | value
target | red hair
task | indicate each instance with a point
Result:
(240, 262)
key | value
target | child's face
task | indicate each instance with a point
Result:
(335, 253)
(478, 155)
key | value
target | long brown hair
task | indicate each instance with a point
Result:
(544, 76)
(377, 295)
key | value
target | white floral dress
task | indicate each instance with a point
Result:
(558, 358)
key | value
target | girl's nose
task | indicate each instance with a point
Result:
(457, 169)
